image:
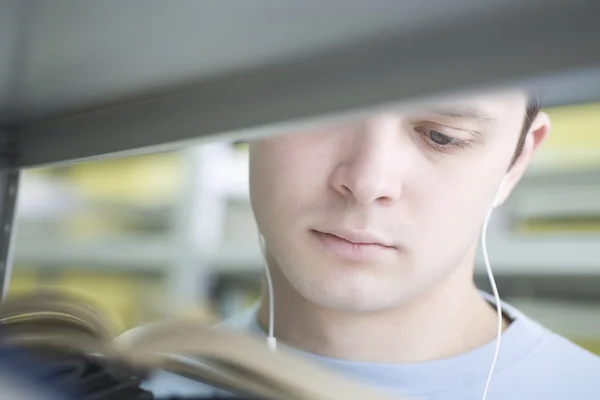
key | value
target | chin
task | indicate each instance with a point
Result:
(351, 301)
(352, 293)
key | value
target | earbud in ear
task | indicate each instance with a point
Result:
(498, 196)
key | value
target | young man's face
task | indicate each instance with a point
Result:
(417, 184)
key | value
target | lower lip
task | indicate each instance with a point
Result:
(352, 251)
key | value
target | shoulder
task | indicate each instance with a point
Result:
(544, 364)
(557, 368)
(540, 344)
(552, 349)
(562, 353)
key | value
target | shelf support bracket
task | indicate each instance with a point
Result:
(9, 187)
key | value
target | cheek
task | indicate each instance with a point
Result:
(279, 184)
(450, 207)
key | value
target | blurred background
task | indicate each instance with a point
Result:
(173, 233)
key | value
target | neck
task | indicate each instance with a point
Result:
(446, 320)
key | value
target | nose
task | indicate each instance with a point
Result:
(376, 158)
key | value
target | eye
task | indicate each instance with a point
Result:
(440, 141)
(439, 137)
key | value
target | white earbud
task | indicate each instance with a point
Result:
(498, 197)
(271, 340)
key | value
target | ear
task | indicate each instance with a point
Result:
(540, 128)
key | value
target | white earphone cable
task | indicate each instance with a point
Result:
(271, 340)
(496, 298)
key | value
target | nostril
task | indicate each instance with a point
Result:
(346, 190)
(385, 201)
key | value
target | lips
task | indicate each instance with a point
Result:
(353, 245)
(358, 237)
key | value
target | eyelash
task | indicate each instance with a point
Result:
(456, 144)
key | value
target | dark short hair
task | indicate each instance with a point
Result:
(533, 108)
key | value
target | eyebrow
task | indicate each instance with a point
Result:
(469, 112)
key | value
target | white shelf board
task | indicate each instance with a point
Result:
(556, 201)
(148, 255)
(230, 260)
(575, 255)
(135, 255)
(568, 256)
(84, 93)
(559, 192)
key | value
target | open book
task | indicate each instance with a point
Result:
(58, 326)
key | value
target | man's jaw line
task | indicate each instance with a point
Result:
(361, 336)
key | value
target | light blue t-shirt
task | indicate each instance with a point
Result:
(533, 363)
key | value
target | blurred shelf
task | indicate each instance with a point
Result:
(556, 201)
(146, 255)
(575, 176)
(143, 255)
(568, 256)
(572, 319)
(236, 260)
(179, 85)
(561, 201)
